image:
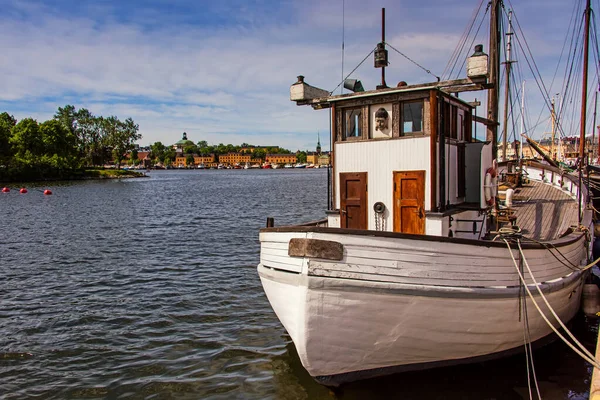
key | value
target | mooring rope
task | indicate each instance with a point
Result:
(586, 355)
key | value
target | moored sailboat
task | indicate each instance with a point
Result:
(417, 264)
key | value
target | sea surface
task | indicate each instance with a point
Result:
(147, 289)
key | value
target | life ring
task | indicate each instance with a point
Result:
(489, 186)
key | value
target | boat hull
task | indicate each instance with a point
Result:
(366, 315)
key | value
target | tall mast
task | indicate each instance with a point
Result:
(492, 130)
(522, 118)
(584, 91)
(506, 87)
(586, 46)
(553, 117)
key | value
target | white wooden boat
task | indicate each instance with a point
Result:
(411, 269)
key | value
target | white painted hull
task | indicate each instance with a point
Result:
(396, 303)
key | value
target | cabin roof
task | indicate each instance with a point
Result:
(387, 91)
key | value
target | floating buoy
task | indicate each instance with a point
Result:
(5, 190)
(23, 191)
(47, 192)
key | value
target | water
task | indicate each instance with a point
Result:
(147, 288)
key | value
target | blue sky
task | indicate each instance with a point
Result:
(221, 70)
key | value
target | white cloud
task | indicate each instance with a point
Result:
(219, 83)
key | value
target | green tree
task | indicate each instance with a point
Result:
(134, 157)
(189, 160)
(26, 140)
(190, 149)
(171, 155)
(259, 153)
(57, 139)
(301, 156)
(202, 145)
(66, 116)
(7, 122)
(157, 151)
(89, 135)
(120, 136)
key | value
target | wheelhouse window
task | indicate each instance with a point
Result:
(412, 117)
(352, 123)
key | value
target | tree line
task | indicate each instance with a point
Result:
(64, 145)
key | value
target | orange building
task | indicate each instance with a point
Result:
(234, 158)
(206, 159)
(281, 158)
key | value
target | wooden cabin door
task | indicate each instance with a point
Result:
(353, 199)
(409, 202)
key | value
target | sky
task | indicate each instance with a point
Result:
(221, 70)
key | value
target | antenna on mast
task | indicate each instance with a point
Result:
(343, 39)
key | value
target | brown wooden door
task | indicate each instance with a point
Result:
(353, 198)
(409, 202)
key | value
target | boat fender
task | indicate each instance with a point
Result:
(379, 207)
(489, 186)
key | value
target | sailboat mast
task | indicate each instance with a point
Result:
(506, 87)
(553, 117)
(522, 118)
(586, 46)
(584, 92)
(492, 103)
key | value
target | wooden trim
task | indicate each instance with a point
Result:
(433, 117)
(408, 96)
(396, 119)
(365, 121)
(335, 125)
(560, 242)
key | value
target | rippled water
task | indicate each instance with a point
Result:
(147, 288)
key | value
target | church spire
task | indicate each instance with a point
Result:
(318, 143)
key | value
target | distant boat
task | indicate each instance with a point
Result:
(288, 166)
(266, 166)
(274, 166)
(201, 166)
(300, 166)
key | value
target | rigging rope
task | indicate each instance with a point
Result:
(413, 61)
(351, 72)
(586, 355)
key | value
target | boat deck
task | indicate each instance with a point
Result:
(543, 212)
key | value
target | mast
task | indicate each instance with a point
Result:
(507, 87)
(553, 117)
(492, 130)
(522, 118)
(584, 92)
(586, 46)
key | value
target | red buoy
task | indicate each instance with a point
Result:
(48, 192)
(23, 191)
(5, 190)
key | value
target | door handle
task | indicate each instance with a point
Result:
(420, 212)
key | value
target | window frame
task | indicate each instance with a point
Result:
(401, 127)
(360, 123)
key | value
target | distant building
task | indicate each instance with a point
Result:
(234, 158)
(206, 159)
(181, 144)
(281, 158)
